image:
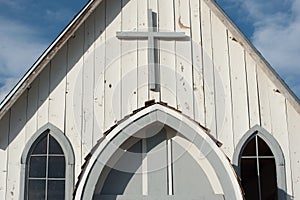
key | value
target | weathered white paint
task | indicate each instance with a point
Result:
(197, 60)
(113, 80)
(223, 103)
(208, 69)
(253, 102)
(293, 120)
(142, 70)
(43, 98)
(129, 59)
(17, 126)
(184, 67)
(84, 89)
(4, 146)
(74, 95)
(88, 85)
(167, 56)
(238, 88)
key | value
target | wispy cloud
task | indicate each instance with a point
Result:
(18, 50)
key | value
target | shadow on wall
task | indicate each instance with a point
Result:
(17, 117)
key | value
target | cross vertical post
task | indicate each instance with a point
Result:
(152, 35)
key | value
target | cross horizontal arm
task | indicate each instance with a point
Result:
(146, 35)
(132, 35)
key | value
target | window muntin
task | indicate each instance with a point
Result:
(45, 172)
(258, 170)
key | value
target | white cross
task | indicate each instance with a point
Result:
(152, 35)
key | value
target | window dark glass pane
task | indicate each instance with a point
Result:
(36, 189)
(56, 190)
(54, 147)
(268, 179)
(37, 167)
(250, 149)
(41, 147)
(249, 178)
(263, 148)
(56, 167)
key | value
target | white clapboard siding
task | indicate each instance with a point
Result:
(74, 95)
(223, 103)
(128, 82)
(167, 53)
(254, 118)
(208, 69)
(113, 62)
(17, 124)
(99, 72)
(264, 104)
(238, 88)
(4, 146)
(32, 106)
(142, 90)
(198, 87)
(88, 85)
(184, 68)
(279, 126)
(43, 98)
(58, 69)
(293, 120)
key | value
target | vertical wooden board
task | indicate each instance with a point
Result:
(58, 89)
(43, 99)
(254, 117)
(74, 95)
(279, 126)
(198, 88)
(167, 53)
(4, 134)
(264, 104)
(129, 59)
(153, 4)
(113, 63)
(143, 89)
(32, 107)
(238, 88)
(208, 71)
(222, 86)
(16, 146)
(184, 68)
(88, 86)
(99, 72)
(293, 119)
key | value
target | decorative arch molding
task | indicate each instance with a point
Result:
(164, 115)
(276, 150)
(67, 149)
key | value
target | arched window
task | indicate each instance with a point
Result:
(259, 161)
(45, 170)
(258, 171)
(48, 166)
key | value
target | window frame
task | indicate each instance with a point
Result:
(65, 144)
(276, 150)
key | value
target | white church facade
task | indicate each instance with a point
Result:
(150, 99)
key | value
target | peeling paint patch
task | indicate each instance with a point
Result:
(181, 25)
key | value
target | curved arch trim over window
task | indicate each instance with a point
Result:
(46, 133)
(271, 142)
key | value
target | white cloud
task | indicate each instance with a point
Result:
(19, 48)
(276, 36)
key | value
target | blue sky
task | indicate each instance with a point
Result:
(27, 28)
